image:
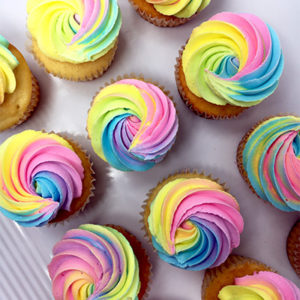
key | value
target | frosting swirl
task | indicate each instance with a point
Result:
(233, 59)
(94, 262)
(8, 63)
(132, 124)
(40, 174)
(194, 223)
(74, 31)
(271, 159)
(261, 286)
(179, 8)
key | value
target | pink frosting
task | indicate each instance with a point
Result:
(40, 175)
(286, 289)
(159, 123)
(258, 39)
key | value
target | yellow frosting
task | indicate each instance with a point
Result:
(74, 31)
(247, 293)
(260, 286)
(39, 174)
(233, 59)
(8, 63)
(194, 223)
(110, 272)
(179, 8)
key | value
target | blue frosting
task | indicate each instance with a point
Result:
(116, 140)
(202, 255)
(106, 33)
(262, 82)
(256, 148)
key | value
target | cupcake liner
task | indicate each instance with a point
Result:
(153, 193)
(138, 77)
(240, 150)
(143, 259)
(198, 105)
(150, 14)
(293, 247)
(239, 158)
(75, 72)
(235, 266)
(78, 204)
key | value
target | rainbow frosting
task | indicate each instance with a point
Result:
(132, 124)
(8, 63)
(261, 286)
(233, 59)
(194, 223)
(94, 262)
(179, 8)
(74, 31)
(40, 174)
(271, 158)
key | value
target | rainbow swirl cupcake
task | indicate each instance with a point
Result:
(244, 278)
(44, 178)
(193, 223)
(166, 13)
(132, 124)
(231, 62)
(268, 158)
(74, 39)
(99, 262)
(19, 90)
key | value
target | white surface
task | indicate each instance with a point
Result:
(201, 144)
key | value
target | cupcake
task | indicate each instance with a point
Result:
(192, 221)
(231, 62)
(74, 40)
(99, 262)
(44, 178)
(166, 13)
(293, 247)
(19, 90)
(244, 278)
(268, 158)
(132, 124)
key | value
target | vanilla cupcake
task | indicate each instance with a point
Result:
(192, 221)
(72, 39)
(230, 63)
(99, 262)
(166, 13)
(19, 90)
(44, 178)
(132, 124)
